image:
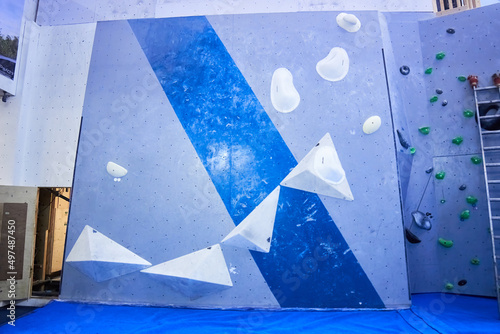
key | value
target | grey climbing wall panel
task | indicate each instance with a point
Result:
(471, 236)
(402, 47)
(150, 211)
(467, 51)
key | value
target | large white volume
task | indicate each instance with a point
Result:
(335, 66)
(101, 258)
(321, 172)
(284, 97)
(195, 274)
(256, 230)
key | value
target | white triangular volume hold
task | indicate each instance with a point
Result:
(321, 172)
(256, 230)
(93, 251)
(195, 274)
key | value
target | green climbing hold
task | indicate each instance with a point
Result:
(412, 150)
(443, 201)
(471, 200)
(476, 160)
(428, 70)
(448, 286)
(461, 78)
(468, 113)
(457, 140)
(445, 243)
(424, 130)
(440, 55)
(475, 261)
(434, 99)
(440, 175)
(465, 215)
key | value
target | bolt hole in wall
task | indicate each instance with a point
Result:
(52, 219)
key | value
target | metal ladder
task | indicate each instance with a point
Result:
(491, 167)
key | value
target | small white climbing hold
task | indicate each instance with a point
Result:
(284, 96)
(372, 124)
(348, 22)
(116, 170)
(327, 166)
(335, 66)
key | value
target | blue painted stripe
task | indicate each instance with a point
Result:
(310, 264)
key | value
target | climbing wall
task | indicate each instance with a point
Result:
(64, 12)
(446, 192)
(237, 161)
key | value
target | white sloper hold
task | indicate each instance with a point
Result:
(115, 170)
(284, 97)
(348, 22)
(101, 258)
(321, 172)
(372, 124)
(335, 66)
(256, 230)
(196, 274)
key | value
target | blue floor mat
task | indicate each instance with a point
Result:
(431, 313)
(457, 314)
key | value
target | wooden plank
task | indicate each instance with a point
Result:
(45, 254)
(50, 240)
(61, 220)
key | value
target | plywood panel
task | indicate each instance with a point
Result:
(59, 233)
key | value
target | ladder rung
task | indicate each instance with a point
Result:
(488, 102)
(495, 200)
(494, 181)
(496, 236)
(492, 132)
(485, 88)
(491, 148)
(489, 116)
(492, 164)
(495, 217)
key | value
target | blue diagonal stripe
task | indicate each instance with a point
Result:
(310, 264)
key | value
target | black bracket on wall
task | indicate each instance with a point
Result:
(58, 194)
(5, 96)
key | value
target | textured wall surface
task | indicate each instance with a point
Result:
(41, 129)
(338, 108)
(468, 51)
(192, 121)
(56, 12)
